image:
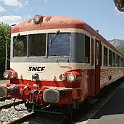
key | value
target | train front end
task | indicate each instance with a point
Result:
(46, 62)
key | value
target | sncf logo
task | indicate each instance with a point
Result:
(36, 68)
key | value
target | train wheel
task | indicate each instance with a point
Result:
(29, 106)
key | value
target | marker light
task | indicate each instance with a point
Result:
(13, 75)
(71, 77)
(62, 77)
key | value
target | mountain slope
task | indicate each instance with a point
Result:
(119, 44)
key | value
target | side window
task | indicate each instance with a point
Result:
(113, 59)
(110, 58)
(87, 49)
(97, 52)
(105, 56)
(118, 60)
(100, 54)
(121, 62)
(92, 51)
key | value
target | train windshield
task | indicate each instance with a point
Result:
(59, 44)
(37, 44)
(20, 45)
(53, 44)
(30, 45)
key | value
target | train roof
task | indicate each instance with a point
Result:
(58, 22)
(48, 22)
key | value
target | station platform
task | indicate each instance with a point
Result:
(112, 111)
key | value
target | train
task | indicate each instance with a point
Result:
(60, 61)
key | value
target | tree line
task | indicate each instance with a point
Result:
(5, 38)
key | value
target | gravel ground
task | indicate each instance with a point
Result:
(8, 115)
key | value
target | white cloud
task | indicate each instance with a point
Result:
(12, 19)
(15, 3)
(2, 9)
(12, 3)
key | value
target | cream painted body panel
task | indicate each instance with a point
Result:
(51, 72)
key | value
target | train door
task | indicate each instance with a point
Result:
(97, 66)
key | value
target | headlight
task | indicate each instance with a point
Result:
(62, 77)
(71, 77)
(6, 74)
(13, 75)
(9, 74)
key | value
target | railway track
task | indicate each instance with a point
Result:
(5, 106)
(5, 98)
(21, 120)
(10, 115)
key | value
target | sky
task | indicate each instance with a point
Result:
(102, 15)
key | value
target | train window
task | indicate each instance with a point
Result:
(122, 62)
(118, 61)
(20, 46)
(105, 56)
(37, 45)
(121, 59)
(87, 49)
(110, 58)
(59, 44)
(100, 54)
(92, 51)
(113, 59)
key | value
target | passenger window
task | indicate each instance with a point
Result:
(100, 54)
(110, 58)
(92, 51)
(113, 59)
(105, 56)
(118, 61)
(87, 49)
(121, 64)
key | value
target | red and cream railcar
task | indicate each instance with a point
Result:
(60, 60)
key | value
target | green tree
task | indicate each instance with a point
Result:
(5, 31)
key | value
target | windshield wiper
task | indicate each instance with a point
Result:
(16, 38)
(53, 38)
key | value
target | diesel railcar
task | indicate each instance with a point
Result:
(60, 61)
